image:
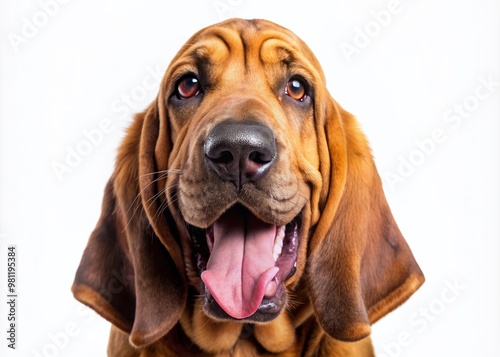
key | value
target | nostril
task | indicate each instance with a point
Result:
(224, 157)
(259, 158)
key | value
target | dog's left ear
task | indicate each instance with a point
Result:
(360, 267)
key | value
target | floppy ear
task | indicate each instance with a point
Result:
(104, 280)
(360, 267)
(133, 243)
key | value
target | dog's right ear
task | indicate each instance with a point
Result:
(132, 271)
(104, 280)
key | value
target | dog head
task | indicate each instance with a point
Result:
(245, 194)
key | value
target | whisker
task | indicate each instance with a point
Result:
(139, 194)
(166, 203)
(162, 175)
(153, 198)
(164, 172)
(160, 209)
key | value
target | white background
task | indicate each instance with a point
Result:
(65, 69)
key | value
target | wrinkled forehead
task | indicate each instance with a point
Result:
(245, 42)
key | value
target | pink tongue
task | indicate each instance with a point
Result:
(240, 270)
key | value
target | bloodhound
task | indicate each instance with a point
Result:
(245, 215)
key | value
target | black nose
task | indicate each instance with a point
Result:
(240, 152)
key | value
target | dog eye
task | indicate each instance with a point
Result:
(296, 89)
(188, 87)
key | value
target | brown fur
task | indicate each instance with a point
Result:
(353, 264)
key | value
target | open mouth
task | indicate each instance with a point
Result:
(244, 263)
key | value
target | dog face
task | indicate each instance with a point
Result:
(241, 106)
(245, 196)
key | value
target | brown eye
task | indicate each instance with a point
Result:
(296, 89)
(188, 87)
